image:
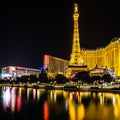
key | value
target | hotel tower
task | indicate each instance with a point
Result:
(108, 56)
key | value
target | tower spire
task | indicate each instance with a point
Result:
(76, 57)
(76, 60)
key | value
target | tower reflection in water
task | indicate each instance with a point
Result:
(71, 105)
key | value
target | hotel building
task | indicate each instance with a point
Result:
(108, 56)
(54, 65)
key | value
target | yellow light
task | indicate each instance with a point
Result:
(80, 112)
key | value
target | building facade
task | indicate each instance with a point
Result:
(107, 56)
(54, 65)
(11, 72)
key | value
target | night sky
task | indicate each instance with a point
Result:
(30, 30)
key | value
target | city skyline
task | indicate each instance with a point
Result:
(30, 30)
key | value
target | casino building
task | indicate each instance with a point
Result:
(105, 56)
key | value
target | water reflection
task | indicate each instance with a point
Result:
(34, 94)
(46, 111)
(19, 100)
(59, 104)
(6, 98)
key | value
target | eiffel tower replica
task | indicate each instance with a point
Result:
(76, 63)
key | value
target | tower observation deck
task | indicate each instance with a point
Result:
(76, 63)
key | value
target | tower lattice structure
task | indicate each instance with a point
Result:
(76, 57)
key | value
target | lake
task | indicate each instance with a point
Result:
(19, 103)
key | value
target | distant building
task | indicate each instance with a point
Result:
(14, 71)
(54, 65)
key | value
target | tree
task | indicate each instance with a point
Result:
(33, 78)
(107, 78)
(43, 77)
(83, 76)
(95, 78)
(60, 78)
(24, 79)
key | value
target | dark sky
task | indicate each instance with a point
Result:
(30, 30)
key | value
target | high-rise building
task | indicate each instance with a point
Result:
(54, 65)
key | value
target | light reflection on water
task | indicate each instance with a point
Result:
(42, 104)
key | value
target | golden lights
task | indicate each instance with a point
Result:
(108, 56)
(76, 57)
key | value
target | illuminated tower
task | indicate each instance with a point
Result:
(76, 60)
(76, 57)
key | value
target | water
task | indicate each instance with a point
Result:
(39, 104)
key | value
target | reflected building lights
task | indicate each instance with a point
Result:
(6, 99)
(46, 111)
(71, 96)
(76, 111)
(114, 100)
(75, 94)
(38, 94)
(72, 112)
(100, 104)
(28, 93)
(34, 94)
(51, 95)
(116, 107)
(19, 101)
(55, 96)
(117, 111)
(12, 100)
(80, 112)
(66, 105)
(79, 97)
(101, 98)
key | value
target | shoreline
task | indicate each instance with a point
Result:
(115, 89)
